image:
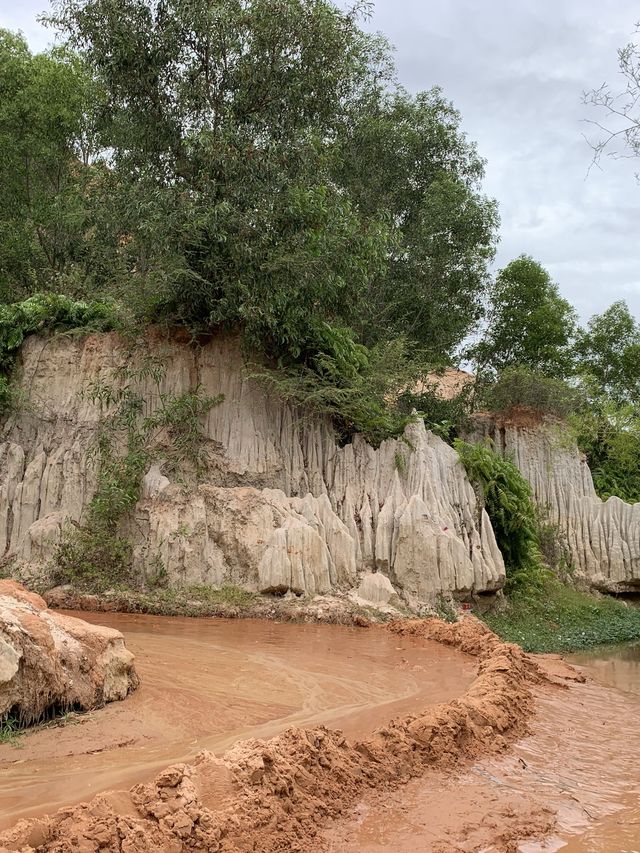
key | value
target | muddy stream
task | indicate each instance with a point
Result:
(581, 763)
(206, 683)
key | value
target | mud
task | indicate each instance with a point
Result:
(571, 785)
(207, 683)
(276, 794)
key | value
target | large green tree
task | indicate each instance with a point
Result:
(528, 323)
(405, 160)
(43, 100)
(218, 117)
(609, 352)
(269, 175)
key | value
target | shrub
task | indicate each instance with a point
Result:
(507, 499)
(444, 417)
(357, 387)
(608, 433)
(519, 386)
(95, 554)
(40, 313)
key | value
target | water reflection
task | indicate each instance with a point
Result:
(614, 666)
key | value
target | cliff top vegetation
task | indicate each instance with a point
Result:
(258, 166)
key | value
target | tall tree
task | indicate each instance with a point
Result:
(219, 116)
(609, 352)
(43, 99)
(528, 324)
(405, 159)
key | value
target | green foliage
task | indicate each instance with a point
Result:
(96, 554)
(356, 386)
(45, 312)
(560, 618)
(553, 546)
(507, 499)
(405, 161)
(251, 165)
(267, 173)
(520, 386)
(608, 433)
(9, 730)
(609, 353)
(528, 324)
(444, 417)
(43, 100)
(445, 610)
(53, 312)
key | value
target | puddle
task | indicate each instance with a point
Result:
(207, 683)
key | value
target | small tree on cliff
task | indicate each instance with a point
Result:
(528, 323)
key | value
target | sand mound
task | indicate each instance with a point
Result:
(50, 662)
(274, 795)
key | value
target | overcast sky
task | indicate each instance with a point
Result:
(516, 70)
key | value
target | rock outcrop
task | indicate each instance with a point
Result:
(603, 537)
(280, 506)
(53, 663)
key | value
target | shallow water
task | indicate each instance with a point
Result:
(581, 763)
(617, 667)
(206, 683)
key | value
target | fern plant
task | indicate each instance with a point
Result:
(507, 499)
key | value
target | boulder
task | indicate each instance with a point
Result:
(52, 663)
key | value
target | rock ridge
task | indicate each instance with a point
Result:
(602, 537)
(280, 505)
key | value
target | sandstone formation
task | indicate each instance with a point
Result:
(53, 663)
(603, 537)
(280, 506)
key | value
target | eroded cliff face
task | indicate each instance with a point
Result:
(603, 537)
(279, 507)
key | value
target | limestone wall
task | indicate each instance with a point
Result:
(280, 505)
(603, 537)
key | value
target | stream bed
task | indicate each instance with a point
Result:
(207, 683)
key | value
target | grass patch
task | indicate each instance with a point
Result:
(559, 618)
(9, 731)
(184, 600)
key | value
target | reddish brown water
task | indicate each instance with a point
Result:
(581, 764)
(207, 683)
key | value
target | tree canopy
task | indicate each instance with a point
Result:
(43, 99)
(528, 323)
(609, 352)
(264, 171)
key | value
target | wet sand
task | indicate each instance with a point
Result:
(581, 764)
(207, 683)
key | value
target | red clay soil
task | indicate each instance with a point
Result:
(276, 795)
